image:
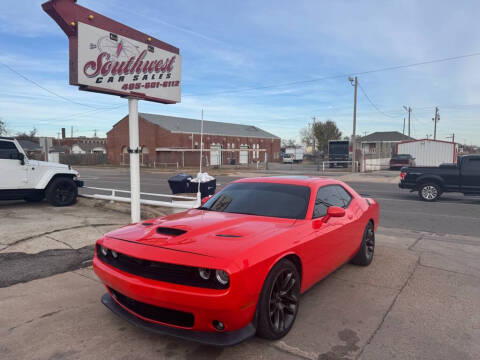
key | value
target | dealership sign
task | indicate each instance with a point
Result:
(112, 58)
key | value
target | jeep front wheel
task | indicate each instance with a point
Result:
(62, 191)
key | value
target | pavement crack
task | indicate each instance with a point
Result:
(292, 350)
(382, 321)
(415, 243)
(59, 230)
(59, 241)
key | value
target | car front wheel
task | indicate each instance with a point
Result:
(62, 191)
(429, 192)
(279, 300)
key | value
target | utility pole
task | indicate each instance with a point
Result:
(71, 131)
(451, 137)
(354, 83)
(403, 132)
(409, 110)
(313, 134)
(435, 120)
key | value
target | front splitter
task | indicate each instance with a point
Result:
(226, 338)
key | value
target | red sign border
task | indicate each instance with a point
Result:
(67, 14)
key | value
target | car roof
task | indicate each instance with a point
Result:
(292, 180)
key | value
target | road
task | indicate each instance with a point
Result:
(452, 214)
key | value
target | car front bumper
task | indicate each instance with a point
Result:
(79, 183)
(231, 307)
(226, 338)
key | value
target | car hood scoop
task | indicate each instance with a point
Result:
(170, 231)
(204, 232)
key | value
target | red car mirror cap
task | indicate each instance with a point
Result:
(333, 211)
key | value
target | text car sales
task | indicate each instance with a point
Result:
(134, 70)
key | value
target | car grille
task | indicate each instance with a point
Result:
(156, 313)
(172, 273)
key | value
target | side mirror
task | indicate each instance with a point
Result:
(205, 199)
(333, 211)
(20, 156)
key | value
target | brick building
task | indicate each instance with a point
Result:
(172, 140)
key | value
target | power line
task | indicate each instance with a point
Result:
(371, 103)
(389, 68)
(44, 88)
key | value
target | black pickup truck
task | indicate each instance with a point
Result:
(431, 182)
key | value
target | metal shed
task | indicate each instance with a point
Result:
(429, 152)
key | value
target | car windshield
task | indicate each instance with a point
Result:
(402, 157)
(262, 199)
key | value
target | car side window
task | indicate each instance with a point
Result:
(330, 195)
(8, 150)
(472, 166)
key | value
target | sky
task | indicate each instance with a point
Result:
(272, 64)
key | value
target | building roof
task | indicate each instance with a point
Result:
(28, 145)
(189, 126)
(89, 146)
(387, 136)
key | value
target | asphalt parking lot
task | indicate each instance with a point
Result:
(419, 299)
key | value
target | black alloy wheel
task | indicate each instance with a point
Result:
(370, 241)
(366, 251)
(279, 301)
(62, 192)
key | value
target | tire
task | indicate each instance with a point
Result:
(62, 191)
(365, 254)
(37, 197)
(279, 301)
(429, 192)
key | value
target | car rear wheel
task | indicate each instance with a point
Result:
(62, 191)
(279, 301)
(364, 255)
(429, 192)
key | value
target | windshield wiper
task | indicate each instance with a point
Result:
(327, 204)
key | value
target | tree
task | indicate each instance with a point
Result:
(306, 134)
(30, 135)
(3, 128)
(324, 132)
(288, 143)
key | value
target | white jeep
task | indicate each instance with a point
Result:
(33, 180)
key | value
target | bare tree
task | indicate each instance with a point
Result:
(289, 143)
(325, 131)
(306, 134)
(27, 135)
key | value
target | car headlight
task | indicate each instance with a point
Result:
(222, 277)
(204, 273)
(104, 250)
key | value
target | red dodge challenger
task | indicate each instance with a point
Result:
(237, 265)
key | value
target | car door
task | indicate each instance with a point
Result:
(14, 174)
(332, 237)
(470, 174)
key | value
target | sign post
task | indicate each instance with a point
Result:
(111, 58)
(134, 151)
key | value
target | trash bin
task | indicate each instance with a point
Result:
(180, 183)
(208, 184)
(206, 188)
(232, 161)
